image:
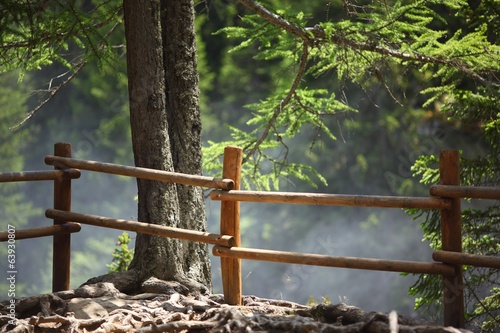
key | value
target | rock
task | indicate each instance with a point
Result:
(97, 290)
(157, 286)
(346, 314)
(84, 308)
(100, 307)
(126, 281)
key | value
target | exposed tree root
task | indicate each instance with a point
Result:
(101, 308)
(131, 282)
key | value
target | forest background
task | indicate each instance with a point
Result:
(373, 153)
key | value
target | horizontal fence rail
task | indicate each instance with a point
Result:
(43, 231)
(466, 259)
(25, 176)
(476, 192)
(141, 227)
(331, 199)
(144, 173)
(333, 261)
(444, 197)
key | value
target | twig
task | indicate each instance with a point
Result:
(486, 309)
(283, 103)
(79, 66)
(52, 94)
(275, 19)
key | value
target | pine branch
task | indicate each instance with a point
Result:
(275, 19)
(50, 37)
(415, 57)
(77, 68)
(283, 103)
(400, 15)
(316, 36)
(487, 310)
(53, 92)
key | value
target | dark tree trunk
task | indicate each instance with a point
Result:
(184, 119)
(166, 136)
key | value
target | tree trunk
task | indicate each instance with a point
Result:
(164, 142)
(184, 119)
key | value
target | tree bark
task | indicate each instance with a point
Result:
(161, 145)
(184, 119)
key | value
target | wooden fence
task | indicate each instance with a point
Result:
(227, 245)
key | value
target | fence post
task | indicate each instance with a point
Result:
(451, 238)
(230, 225)
(61, 243)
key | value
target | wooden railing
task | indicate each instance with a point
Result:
(60, 230)
(227, 245)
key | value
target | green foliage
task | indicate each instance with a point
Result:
(122, 255)
(489, 308)
(312, 301)
(447, 47)
(266, 168)
(280, 117)
(477, 110)
(480, 226)
(373, 41)
(63, 35)
(425, 167)
(38, 35)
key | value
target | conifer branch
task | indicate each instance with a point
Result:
(405, 56)
(316, 35)
(275, 19)
(282, 105)
(53, 92)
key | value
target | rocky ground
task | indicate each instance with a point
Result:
(102, 308)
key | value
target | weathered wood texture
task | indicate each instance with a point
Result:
(333, 261)
(476, 192)
(26, 176)
(43, 231)
(184, 127)
(466, 259)
(230, 225)
(143, 173)
(141, 227)
(62, 242)
(331, 199)
(451, 238)
(157, 202)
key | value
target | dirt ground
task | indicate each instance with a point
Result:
(102, 308)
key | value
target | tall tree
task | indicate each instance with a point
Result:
(166, 129)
